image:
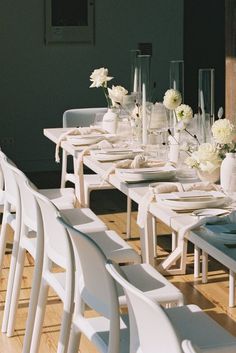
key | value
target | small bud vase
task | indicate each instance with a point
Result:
(228, 166)
(110, 121)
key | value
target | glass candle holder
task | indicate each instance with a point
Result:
(134, 70)
(176, 76)
(206, 101)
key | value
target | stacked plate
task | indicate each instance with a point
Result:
(145, 174)
(114, 154)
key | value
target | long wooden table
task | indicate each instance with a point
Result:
(169, 217)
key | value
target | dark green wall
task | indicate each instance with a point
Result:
(204, 47)
(39, 82)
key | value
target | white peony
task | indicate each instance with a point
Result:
(116, 94)
(184, 113)
(99, 77)
(172, 99)
(206, 158)
(223, 131)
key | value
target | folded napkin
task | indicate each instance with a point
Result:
(149, 197)
(205, 186)
(77, 131)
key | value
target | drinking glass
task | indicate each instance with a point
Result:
(98, 119)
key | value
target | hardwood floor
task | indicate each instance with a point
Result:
(211, 297)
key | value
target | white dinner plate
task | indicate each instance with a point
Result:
(145, 174)
(193, 200)
(80, 140)
(114, 154)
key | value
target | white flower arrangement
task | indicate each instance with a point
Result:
(172, 101)
(206, 158)
(223, 131)
(114, 96)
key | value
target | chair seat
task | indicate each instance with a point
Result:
(191, 323)
(152, 283)
(63, 198)
(114, 247)
(97, 329)
(84, 219)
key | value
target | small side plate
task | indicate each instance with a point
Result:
(206, 212)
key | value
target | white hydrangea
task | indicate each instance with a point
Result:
(99, 77)
(223, 131)
(184, 113)
(116, 94)
(172, 99)
(206, 158)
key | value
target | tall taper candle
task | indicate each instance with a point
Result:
(135, 86)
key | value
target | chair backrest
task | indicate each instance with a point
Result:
(57, 244)
(81, 117)
(155, 331)
(10, 185)
(28, 204)
(96, 287)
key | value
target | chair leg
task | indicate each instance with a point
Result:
(3, 240)
(12, 300)
(128, 219)
(32, 305)
(65, 328)
(64, 168)
(41, 307)
(74, 341)
(10, 284)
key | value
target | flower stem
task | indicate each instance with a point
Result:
(194, 136)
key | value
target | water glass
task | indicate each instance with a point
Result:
(98, 119)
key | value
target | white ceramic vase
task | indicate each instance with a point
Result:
(110, 121)
(228, 166)
(212, 177)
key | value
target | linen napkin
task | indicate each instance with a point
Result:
(77, 131)
(139, 161)
(204, 186)
(149, 197)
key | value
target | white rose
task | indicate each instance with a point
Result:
(223, 131)
(99, 77)
(184, 113)
(117, 94)
(172, 99)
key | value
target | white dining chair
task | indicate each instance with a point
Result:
(95, 289)
(57, 250)
(92, 182)
(31, 239)
(182, 329)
